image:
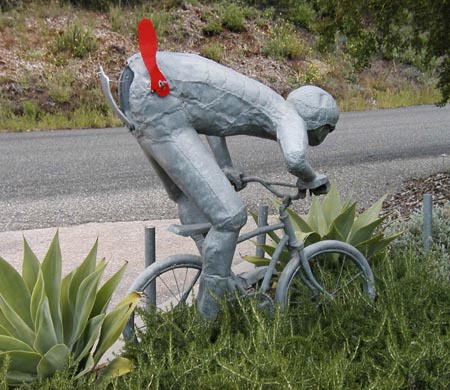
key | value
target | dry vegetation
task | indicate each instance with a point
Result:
(49, 56)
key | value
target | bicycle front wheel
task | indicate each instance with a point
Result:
(339, 268)
(164, 285)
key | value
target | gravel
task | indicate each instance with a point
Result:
(410, 197)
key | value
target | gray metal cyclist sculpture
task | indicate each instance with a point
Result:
(211, 99)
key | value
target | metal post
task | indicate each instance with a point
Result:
(150, 255)
(427, 222)
(263, 212)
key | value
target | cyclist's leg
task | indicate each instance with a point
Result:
(188, 212)
(186, 160)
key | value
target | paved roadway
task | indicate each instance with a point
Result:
(63, 178)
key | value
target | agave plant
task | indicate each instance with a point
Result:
(334, 219)
(47, 320)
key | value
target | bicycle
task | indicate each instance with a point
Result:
(327, 269)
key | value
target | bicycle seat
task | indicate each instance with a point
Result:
(190, 230)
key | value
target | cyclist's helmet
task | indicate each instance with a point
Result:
(316, 106)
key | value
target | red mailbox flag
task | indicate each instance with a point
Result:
(148, 45)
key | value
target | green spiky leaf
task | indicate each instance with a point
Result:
(86, 268)
(55, 359)
(34, 307)
(369, 215)
(334, 220)
(30, 266)
(105, 293)
(257, 261)
(14, 291)
(66, 308)
(22, 361)
(114, 324)
(117, 367)
(36, 298)
(45, 333)
(332, 205)
(376, 244)
(91, 334)
(342, 224)
(308, 238)
(85, 300)
(8, 343)
(88, 367)
(17, 378)
(316, 218)
(364, 232)
(51, 271)
(297, 220)
(15, 324)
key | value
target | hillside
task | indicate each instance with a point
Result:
(49, 56)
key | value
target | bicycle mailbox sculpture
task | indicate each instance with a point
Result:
(169, 99)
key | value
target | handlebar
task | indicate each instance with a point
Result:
(269, 185)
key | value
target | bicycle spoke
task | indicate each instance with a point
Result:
(173, 279)
(185, 276)
(176, 281)
(336, 289)
(189, 290)
(340, 273)
(168, 288)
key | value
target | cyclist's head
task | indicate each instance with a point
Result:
(318, 109)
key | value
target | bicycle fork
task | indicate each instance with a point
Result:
(309, 278)
(298, 254)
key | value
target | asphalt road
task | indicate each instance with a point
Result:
(63, 178)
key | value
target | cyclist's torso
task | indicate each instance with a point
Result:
(212, 98)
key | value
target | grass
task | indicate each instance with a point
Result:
(125, 20)
(82, 117)
(407, 95)
(78, 41)
(400, 341)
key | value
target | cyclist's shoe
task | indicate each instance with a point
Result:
(320, 185)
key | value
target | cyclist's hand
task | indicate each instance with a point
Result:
(235, 178)
(320, 185)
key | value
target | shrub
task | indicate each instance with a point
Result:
(233, 18)
(398, 342)
(213, 51)
(212, 28)
(117, 18)
(76, 40)
(162, 20)
(336, 220)
(30, 110)
(98, 5)
(47, 321)
(440, 244)
(6, 5)
(301, 14)
(284, 43)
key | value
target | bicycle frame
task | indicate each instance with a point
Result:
(289, 241)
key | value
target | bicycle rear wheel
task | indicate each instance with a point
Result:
(339, 268)
(174, 281)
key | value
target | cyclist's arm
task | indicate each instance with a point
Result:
(293, 140)
(221, 153)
